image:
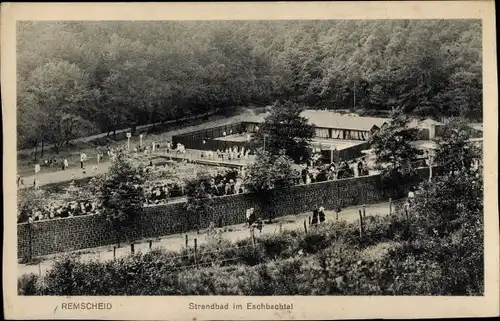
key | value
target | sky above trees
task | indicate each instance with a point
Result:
(77, 78)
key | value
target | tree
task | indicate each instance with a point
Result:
(59, 90)
(199, 199)
(394, 150)
(121, 194)
(455, 152)
(270, 173)
(140, 72)
(448, 231)
(284, 129)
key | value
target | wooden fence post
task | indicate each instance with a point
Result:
(187, 240)
(132, 248)
(150, 244)
(114, 252)
(360, 225)
(305, 226)
(30, 257)
(195, 250)
(281, 227)
(390, 205)
(252, 233)
(364, 212)
(309, 220)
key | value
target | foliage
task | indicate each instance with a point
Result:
(54, 93)
(31, 201)
(394, 149)
(27, 284)
(284, 129)
(455, 152)
(329, 260)
(119, 74)
(450, 203)
(438, 249)
(199, 199)
(120, 192)
(270, 172)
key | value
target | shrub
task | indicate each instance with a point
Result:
(26, 284)
(329, 260)
(120, 193)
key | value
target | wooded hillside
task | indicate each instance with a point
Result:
(77, 78)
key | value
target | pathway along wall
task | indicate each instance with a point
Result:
(75, 233)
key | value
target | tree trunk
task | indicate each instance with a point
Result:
(57, 148)
(36, 150)
(42, 150)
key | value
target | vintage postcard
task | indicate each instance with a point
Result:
(250, 161)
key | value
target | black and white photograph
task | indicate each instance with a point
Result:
(252, 158)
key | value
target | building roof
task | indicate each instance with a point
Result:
(425, 144)
(423, 123)
(328, 119)
(476, 126)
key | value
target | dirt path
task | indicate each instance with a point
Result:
(177, 241)
(103, 167)
(119, 131)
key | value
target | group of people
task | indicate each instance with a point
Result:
(252, 220)
(220, 186)
(318, 216)
(161, 193)
(51, 211)
(333, 171)
(234, 153)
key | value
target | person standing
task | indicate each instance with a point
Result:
(355, 169)
(81, 160)
(411, 197)
(315, 215)
(66, 164)
(304, 175)
(308, 179)
(259, 225)
(37, 168)
(98, 158)
(360, 168)
(321, 214)
(250, 216)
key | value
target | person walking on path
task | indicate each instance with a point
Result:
(259, 225)
(37, 168)
(250, 216)
(315, 215)
(321, 214)
(83, 157)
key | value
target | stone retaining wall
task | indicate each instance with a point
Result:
(75, 233)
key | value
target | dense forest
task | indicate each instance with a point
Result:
(77, 78)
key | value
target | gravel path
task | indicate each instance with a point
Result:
(177, 241)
